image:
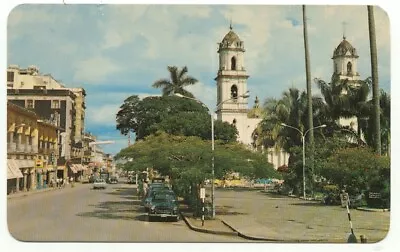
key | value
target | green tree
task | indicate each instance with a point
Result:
(172, 115)
(177, 82)
(354, 168)
(187, 160)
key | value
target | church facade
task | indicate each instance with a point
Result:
(232, 96)
(232, 92)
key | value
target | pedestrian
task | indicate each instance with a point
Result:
(145, 188)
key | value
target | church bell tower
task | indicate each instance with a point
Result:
(231, 80)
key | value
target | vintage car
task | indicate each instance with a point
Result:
(164, 205)
(152, 192)
(99, 184)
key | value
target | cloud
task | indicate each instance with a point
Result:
(103, 115)
(95, 69)
(115, 51)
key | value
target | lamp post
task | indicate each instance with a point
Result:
(212, 112)
(303, 135)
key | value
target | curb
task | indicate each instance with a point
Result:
(254, 238)
(250, 237)
(373, 209)
(209, 231)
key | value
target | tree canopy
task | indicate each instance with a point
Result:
(190, 156)
(173, 115)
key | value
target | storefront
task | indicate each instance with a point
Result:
(14, 175)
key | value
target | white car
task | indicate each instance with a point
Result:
(99, 184)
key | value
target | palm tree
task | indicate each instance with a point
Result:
(375, 84)
(291, 109)
(308, 79)
(177, 82)
(367, 125)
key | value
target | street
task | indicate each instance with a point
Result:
(83, 214)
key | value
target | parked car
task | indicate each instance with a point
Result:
(151, 193)
(99, 184)
(163, 205)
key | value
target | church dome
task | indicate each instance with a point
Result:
(343, 48)
(231, 37)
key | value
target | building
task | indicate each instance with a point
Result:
(31, 148)
(52, 101)
(345, 59)
(232, 104)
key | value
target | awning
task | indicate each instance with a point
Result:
(84, 167)
(13, 170)
(60, 168)
(49, 168)
(79, 166)
(73, 168)
(24, 163)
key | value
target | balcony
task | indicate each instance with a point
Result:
(11, 147)
(28, 148)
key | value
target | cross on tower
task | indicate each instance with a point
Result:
(344, 29)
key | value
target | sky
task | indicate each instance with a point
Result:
(115, 51)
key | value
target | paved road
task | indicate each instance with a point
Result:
(83, 214)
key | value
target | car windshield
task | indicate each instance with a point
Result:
(99, 180)
(162, 197)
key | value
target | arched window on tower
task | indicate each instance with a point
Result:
(349, 68)
(234, 122)
(234, 92)
(233, 63)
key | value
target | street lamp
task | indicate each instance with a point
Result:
(212, 112)
(303, 135)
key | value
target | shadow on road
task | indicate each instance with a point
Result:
(127, 209)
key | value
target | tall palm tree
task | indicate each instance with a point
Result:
(177, 82)
(291, 109)
(367, 125)
(308, 79)
(345, 99)
(375, 84)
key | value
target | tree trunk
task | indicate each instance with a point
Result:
(375, 84)
(309, 97)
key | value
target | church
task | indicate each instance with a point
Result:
(232, 98)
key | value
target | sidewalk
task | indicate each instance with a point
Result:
(21, 194)
(279, 220)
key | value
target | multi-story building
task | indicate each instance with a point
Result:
(52, 101)
(31, 150)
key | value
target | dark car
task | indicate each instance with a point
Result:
(151, 193)
(164, 205)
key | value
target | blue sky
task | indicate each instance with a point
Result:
(114, 51)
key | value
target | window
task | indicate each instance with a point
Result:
(234, 92)
(55, 104)
(10, 76)
(30, 104)
(233, 63)
(349, 68)
(234, 121)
